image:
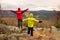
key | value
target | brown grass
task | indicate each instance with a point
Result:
(13, 22)
(9, 20)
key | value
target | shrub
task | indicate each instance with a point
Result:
(57, 24)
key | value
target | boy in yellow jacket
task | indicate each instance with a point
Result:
(31, 21)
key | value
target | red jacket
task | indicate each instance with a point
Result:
(19, 13)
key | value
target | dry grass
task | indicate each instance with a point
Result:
(9, 21)
(13, 22)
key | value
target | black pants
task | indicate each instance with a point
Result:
(19, 23)
(30, 31)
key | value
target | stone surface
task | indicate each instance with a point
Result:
(13, 33)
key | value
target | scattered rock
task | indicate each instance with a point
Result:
(13, 33)
(3, 36)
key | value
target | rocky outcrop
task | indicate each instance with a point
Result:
(14, 33)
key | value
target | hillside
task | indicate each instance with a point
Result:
(44, 14)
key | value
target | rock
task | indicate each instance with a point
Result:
(55, 33)
(13, 36)
(39, 33)
(37, 29)
(3, 29)
(2, 36)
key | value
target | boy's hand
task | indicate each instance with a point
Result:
(40, 21)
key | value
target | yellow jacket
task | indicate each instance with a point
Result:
(31, 20)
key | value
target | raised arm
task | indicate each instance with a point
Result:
(13, 11)
(24, 10)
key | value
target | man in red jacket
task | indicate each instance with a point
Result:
(19, 14)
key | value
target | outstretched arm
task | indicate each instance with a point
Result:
(25, 19)
(24, 10)
(36, 20)
(13, 11)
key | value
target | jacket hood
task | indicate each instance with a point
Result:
(31, 15)
(19, 9)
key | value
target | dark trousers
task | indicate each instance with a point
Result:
(19, 23)
(30, 31)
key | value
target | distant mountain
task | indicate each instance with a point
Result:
(44, 13)
(41, 14)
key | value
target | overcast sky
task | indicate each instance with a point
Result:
(31, 4)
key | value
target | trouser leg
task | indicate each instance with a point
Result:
(19, 23)
(31, 31)
(28, 30)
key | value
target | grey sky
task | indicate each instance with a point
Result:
(31, 4)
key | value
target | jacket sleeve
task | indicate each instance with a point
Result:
(13, 11)
(25, 19)
(36, 20)
(24, 10)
